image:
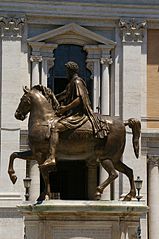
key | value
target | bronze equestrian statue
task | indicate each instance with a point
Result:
(75, 109)
(65, 125)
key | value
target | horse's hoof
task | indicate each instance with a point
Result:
(127, 198)
(13, 178)
(41, 197)
(47, 197)
(97, 196)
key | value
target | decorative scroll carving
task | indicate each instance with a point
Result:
(131, 30)
(90, 66)
(11, 27)
(106, 60)
(36, 58)
(50, 61)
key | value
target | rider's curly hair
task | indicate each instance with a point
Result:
(72, 66)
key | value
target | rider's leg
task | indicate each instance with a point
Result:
(53, 142)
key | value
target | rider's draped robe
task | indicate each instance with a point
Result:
(78, 115)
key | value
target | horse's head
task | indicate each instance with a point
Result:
(24, 105)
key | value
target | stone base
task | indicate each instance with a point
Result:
(58, 219)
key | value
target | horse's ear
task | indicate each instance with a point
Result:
(25, 89)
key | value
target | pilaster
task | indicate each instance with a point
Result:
(132, 35)
(11, 90)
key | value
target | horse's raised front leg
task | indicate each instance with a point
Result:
(109, 167)
(26, 155)
(121, 167)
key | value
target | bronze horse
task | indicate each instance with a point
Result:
(74, 142)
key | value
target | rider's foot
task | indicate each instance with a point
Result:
(49, 162)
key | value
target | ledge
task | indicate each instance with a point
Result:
(87, 207)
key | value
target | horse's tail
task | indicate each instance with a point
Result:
(135, 125)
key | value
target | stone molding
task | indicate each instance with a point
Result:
(94, 9)
(132, 30)
(12, 27)
(153, 160)
(42, 48)
(78, 32)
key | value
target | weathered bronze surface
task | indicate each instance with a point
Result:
(66, 125)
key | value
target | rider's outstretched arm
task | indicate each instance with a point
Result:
(61, 96)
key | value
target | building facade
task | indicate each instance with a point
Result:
(116, 46)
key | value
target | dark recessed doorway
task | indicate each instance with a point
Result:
(71, 179)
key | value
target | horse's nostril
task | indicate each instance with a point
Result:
(18, 116)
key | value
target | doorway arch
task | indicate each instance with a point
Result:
(57, 79)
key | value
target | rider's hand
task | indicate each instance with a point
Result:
(61, 110)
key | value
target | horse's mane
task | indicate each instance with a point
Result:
(48, 94)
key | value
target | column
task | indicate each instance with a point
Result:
(35, 69)
(41, 52)
(47, 52)
(44, 71)
(35, 59)
(105, 110)
(34, 190)
(101, 88)
(105, 61)
(153, 194)
(105, 86)
(93, 64)
(92, 178)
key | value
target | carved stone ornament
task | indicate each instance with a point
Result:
(90, 66)
(106, 60)
(132, 30)
(36, 58)
(11, 27)
(153, 161)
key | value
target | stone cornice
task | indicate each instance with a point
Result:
(90, 207)
(94, 10)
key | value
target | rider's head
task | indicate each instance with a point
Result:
(72, 67)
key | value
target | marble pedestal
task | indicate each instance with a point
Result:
(59, 219)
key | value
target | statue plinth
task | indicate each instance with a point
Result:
(60, 219)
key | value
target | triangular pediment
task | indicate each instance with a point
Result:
(74, 34)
